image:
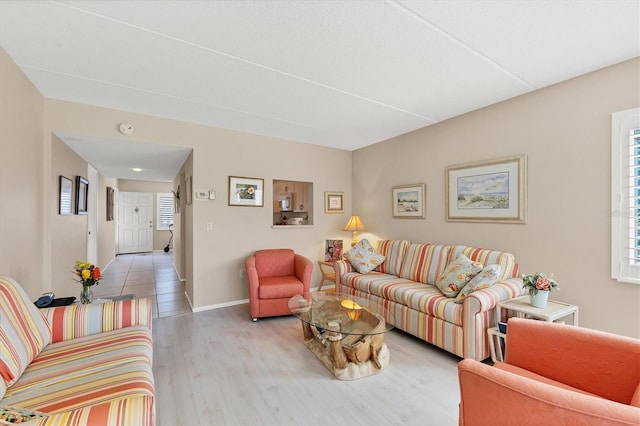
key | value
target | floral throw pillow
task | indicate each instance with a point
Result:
(457, 274)
(489, 275)
(13, 415)
(363, 257)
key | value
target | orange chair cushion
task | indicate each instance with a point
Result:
(279, 287)
(275, 263)
(542, 347)
(526, 373)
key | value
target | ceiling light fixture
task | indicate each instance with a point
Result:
(136, 169)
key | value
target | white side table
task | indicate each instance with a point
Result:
(521, 308)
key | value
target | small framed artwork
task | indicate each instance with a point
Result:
(66, 191)
(333, 250)
(488, 191)
(82, 193)
(409, 201)
(334, 202)
(244, 191)
(111, 200)
(189, 185)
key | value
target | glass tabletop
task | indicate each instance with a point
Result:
(329, 310)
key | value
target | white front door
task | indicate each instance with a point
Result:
(135, 222)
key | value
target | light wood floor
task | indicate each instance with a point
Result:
(219, 368)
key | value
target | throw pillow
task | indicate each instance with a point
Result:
(457, 274)
(486, 278)
(13, 415)
(363, 257)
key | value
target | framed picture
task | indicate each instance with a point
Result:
(111, 200)
(333, 250)
(409, 201)
(245, 191)
(334, 202)
(189, 185)
(488, 191)
(82, 193)
(66, 191)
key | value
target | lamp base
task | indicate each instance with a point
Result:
(354, 241)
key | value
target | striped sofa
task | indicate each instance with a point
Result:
(78, 364)
(404, 284)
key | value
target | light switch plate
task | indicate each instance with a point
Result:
(212, 195)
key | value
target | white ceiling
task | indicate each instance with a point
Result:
(344, 74)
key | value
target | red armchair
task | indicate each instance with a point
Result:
(274, 277)
(554, 374)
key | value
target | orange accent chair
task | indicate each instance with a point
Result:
(274, 276)
(554, 374)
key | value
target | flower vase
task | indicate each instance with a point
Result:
(539, 300)
(86, 296)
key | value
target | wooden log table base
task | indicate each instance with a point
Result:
(348, 357)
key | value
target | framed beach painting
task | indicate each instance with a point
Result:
(245, 191)
(408, 201)
(488, 191)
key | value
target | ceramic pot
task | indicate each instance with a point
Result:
(86, 295)
(540, 299)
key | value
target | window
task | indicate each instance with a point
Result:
(164, 211)
(625, 196)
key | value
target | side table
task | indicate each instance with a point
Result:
(328, 273)
(520, 307)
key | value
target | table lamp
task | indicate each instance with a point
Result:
(355, 225)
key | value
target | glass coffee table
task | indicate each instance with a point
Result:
(345, 333)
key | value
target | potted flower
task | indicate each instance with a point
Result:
(88, 275)
(539, 286)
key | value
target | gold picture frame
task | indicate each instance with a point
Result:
(409, 201)
(488, 191)
(333, 202)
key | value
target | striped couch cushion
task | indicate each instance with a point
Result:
(424, 262)
(71, 322)
(487, 257)
(23, 331)
(394, 252)
(418, 296)
(78, 373)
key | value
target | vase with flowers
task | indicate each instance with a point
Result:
(88, 275)
(539, 286)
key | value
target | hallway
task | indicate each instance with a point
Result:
(146, 275)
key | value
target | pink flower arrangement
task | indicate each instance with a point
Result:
(539, 281)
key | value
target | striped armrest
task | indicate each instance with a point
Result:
(487, 298)
(138, 410)
(73, 321)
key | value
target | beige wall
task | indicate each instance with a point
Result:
(22, 179)
(68, 232)
(214, 259)
(565, 130)
(106, 228)
(160, 238)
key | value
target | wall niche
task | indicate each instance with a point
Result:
(292, 203)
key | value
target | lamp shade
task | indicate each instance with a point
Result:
(354, 224)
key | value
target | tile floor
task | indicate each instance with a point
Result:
(149, 275)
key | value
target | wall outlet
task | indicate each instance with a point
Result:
(243, 273)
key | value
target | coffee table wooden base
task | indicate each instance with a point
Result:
(347, 363)
(353, 370)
